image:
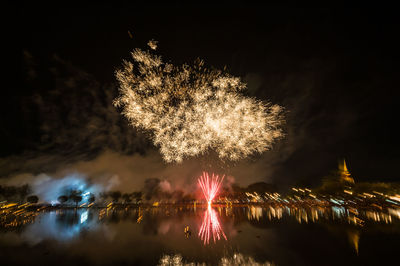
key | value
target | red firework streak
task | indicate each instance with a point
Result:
(210, 226)
(210, 186)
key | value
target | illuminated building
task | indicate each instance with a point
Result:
(345, 176)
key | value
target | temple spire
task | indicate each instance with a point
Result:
(345, 175)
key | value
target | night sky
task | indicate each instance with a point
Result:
(336, 72)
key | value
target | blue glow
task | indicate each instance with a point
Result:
(61, 226)
(335, 201)
(49, 189)
(391, 201)
(339, 211)
(84, 216)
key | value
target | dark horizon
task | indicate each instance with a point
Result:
(334, 71)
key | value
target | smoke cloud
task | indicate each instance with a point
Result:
(70, 127)
(77, 133)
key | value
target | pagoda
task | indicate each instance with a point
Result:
(345, 175)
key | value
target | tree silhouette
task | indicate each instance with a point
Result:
(127, 198)
(137, 196)
(33, 199)
(115, 195)
(76, 196)
(62, 199)
(92, 198)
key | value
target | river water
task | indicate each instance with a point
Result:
(218, 235)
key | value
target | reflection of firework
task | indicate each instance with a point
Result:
(210, 227)
(210, 186)
(236, 259)
(192, 109)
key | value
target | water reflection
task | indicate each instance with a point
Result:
(61, 225)
(306, 214)
(244, 234)
(236, 259)
(210, 227)
(73, 220)
(354, 238)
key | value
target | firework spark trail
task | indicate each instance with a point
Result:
(210, 186)
(210, 227)
(191, 109)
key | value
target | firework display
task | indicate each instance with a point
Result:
(190, 110)
(210, 227)
(210, 186)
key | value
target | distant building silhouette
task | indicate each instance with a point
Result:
(345, 176)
